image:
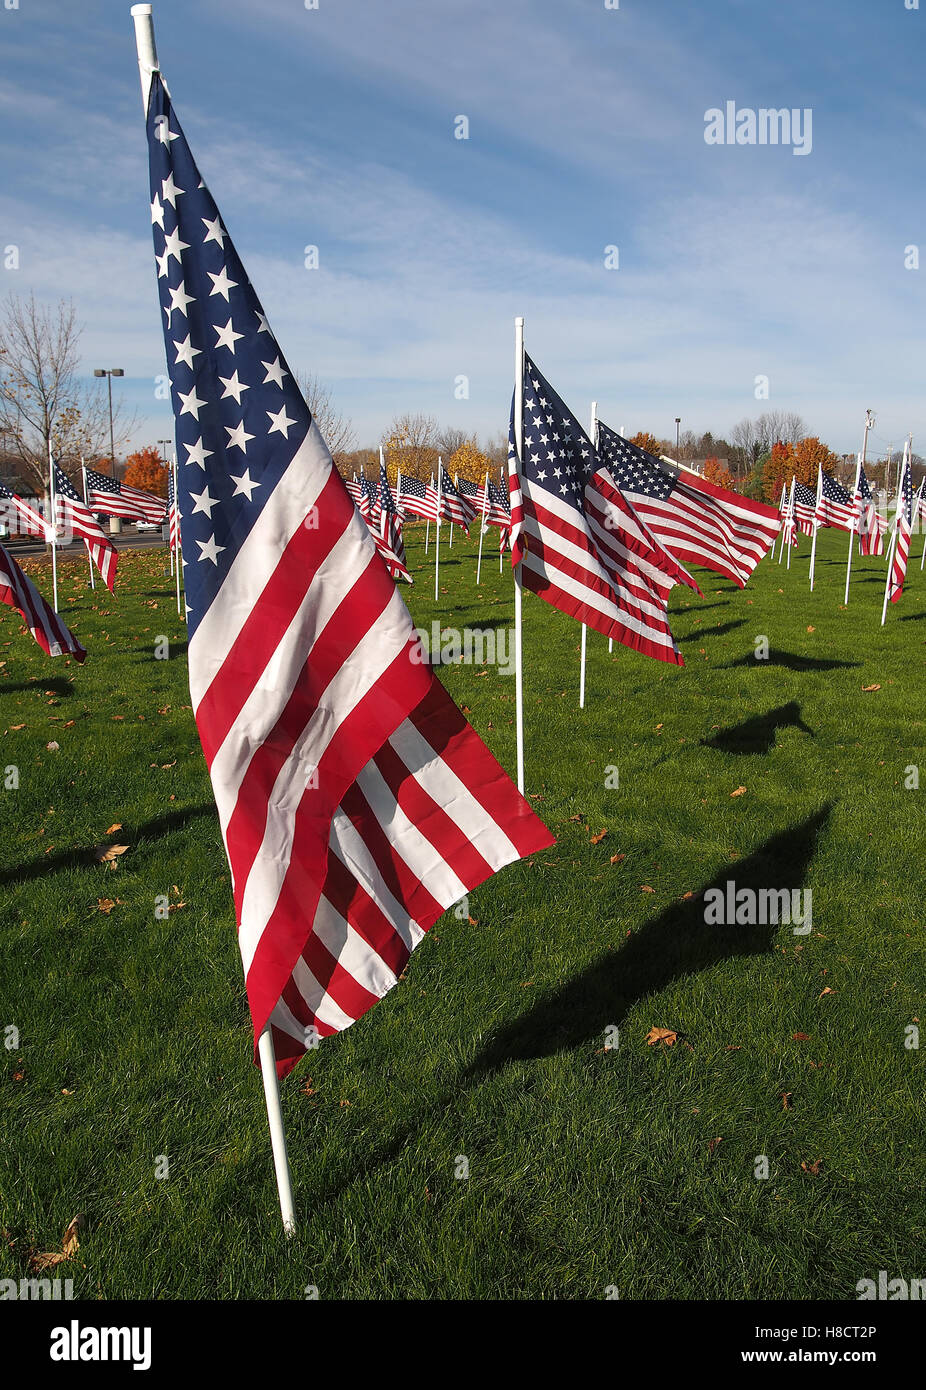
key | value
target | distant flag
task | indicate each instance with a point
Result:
(418, 498)
(108, 495)
(19, 516)
(804, 503)
(173, 516)
(579, 542)
(76, 517)
(834, 504)
(355, 802)
(790, 528)
(369, 502)
(490, 501)
(903, 529)
(390, 530)
(871, 525)
(353, 487)
(18, 591)
(453, 506)
(692, 518)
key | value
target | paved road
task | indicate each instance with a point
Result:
(127, 540)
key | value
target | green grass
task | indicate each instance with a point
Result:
(589, 1167)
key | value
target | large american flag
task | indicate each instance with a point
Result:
(694, 519)
(355, 802)
(75, 517)
(390, 530)
(870, 522)
(19, 516)
(835, 506)
(580, 544)
(18, 591)
(453, 506)
(418, 498)
(108, 495)
(804, 502)
(903, 527)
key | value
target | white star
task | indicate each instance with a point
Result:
(221, 283)
(281, 422)
(162, 265)
(214, 231)
(204, 503)
(191, 403)
(164, 135)
(185, 351)
(179, 299)
(198, 452)
(238, 437)
(263, 325)
(157, 212)
(210, 551)
(169, 190)
(233, 387)
(226, 337)
(275, 372)
(173, 245)
(244, 484)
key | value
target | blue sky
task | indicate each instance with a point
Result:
(335, 127)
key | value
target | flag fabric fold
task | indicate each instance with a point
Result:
(18, 591)
(355, 802)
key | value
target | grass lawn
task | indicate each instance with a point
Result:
(631, 1166)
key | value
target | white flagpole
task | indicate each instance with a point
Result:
(592, 434)
(83, 474)
(782, 509)
(813, 548)
(857, 521)
(179, 548)
(789, 524)
(277, 1132)
(52, 504)
(482, 525)
(147, 62)
(519, 448)
(893, 545)
(440, 474)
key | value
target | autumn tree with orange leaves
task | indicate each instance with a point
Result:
(800, 460)
(644, 440)
(146, 470)
(719, 474)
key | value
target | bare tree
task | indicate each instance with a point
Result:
(449, 439)
(43, 402)
(411, 443)
(336, 430)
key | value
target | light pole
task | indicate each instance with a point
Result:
(109, 373)
(678, 421)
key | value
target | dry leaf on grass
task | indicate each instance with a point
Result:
(107, 904)
(786, 1100)
(113, 828)
(827, 990)
(801, 1037)
(108, 853)
(866, 688)
(596, 839)
(645, 888)
(69, 1248)
(712, 1143)
(661, 1035)
(740, 791)
(618, 858)
(813, 1168)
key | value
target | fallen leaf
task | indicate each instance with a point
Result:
(786, 1100)
(740, 791)
(663, 1035)
(811, 628)
(107, 853)
(712, 1143)
(827, 990)
(866, 688)
(106, 904)
(69, 1248)
(596, 839)
(618, 858)
(801, 1037)
(113, 828)
(17, 726)
(813, 1168)
(645, 888)
(53, 747)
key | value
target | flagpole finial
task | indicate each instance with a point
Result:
(145, 48)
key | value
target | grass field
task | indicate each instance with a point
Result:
(631, 1166)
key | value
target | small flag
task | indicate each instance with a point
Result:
(804, 503)
(870, 523)
(20, 517)
(418, 498)
(453, 506)
(835, 505)
(173, 516)
(18, 591)
(390, 530)
(74, 515)
(904, 529)
(107, 495)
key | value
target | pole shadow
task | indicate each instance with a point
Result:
(757, 735)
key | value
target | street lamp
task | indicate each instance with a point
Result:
(109, 373)
(678, 421)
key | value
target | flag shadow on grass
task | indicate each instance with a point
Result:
(757, 735)
(59, 684)
(791, 660)
(719, 630)
(672, 946)
(134, 836)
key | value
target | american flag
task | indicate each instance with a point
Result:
(789, 523)
(498, 508)
(173, 516)
(73, 514)
(19, 516)
(353, 487)
(804, 503)
(871, 524)
(368, 503)
(108, 495)
(18, 591)
(691, 517)
(390, 530)
(580, 544)
(355, 802)
(903, 528)
(418, 498)
(834, 505)
(453, 506)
